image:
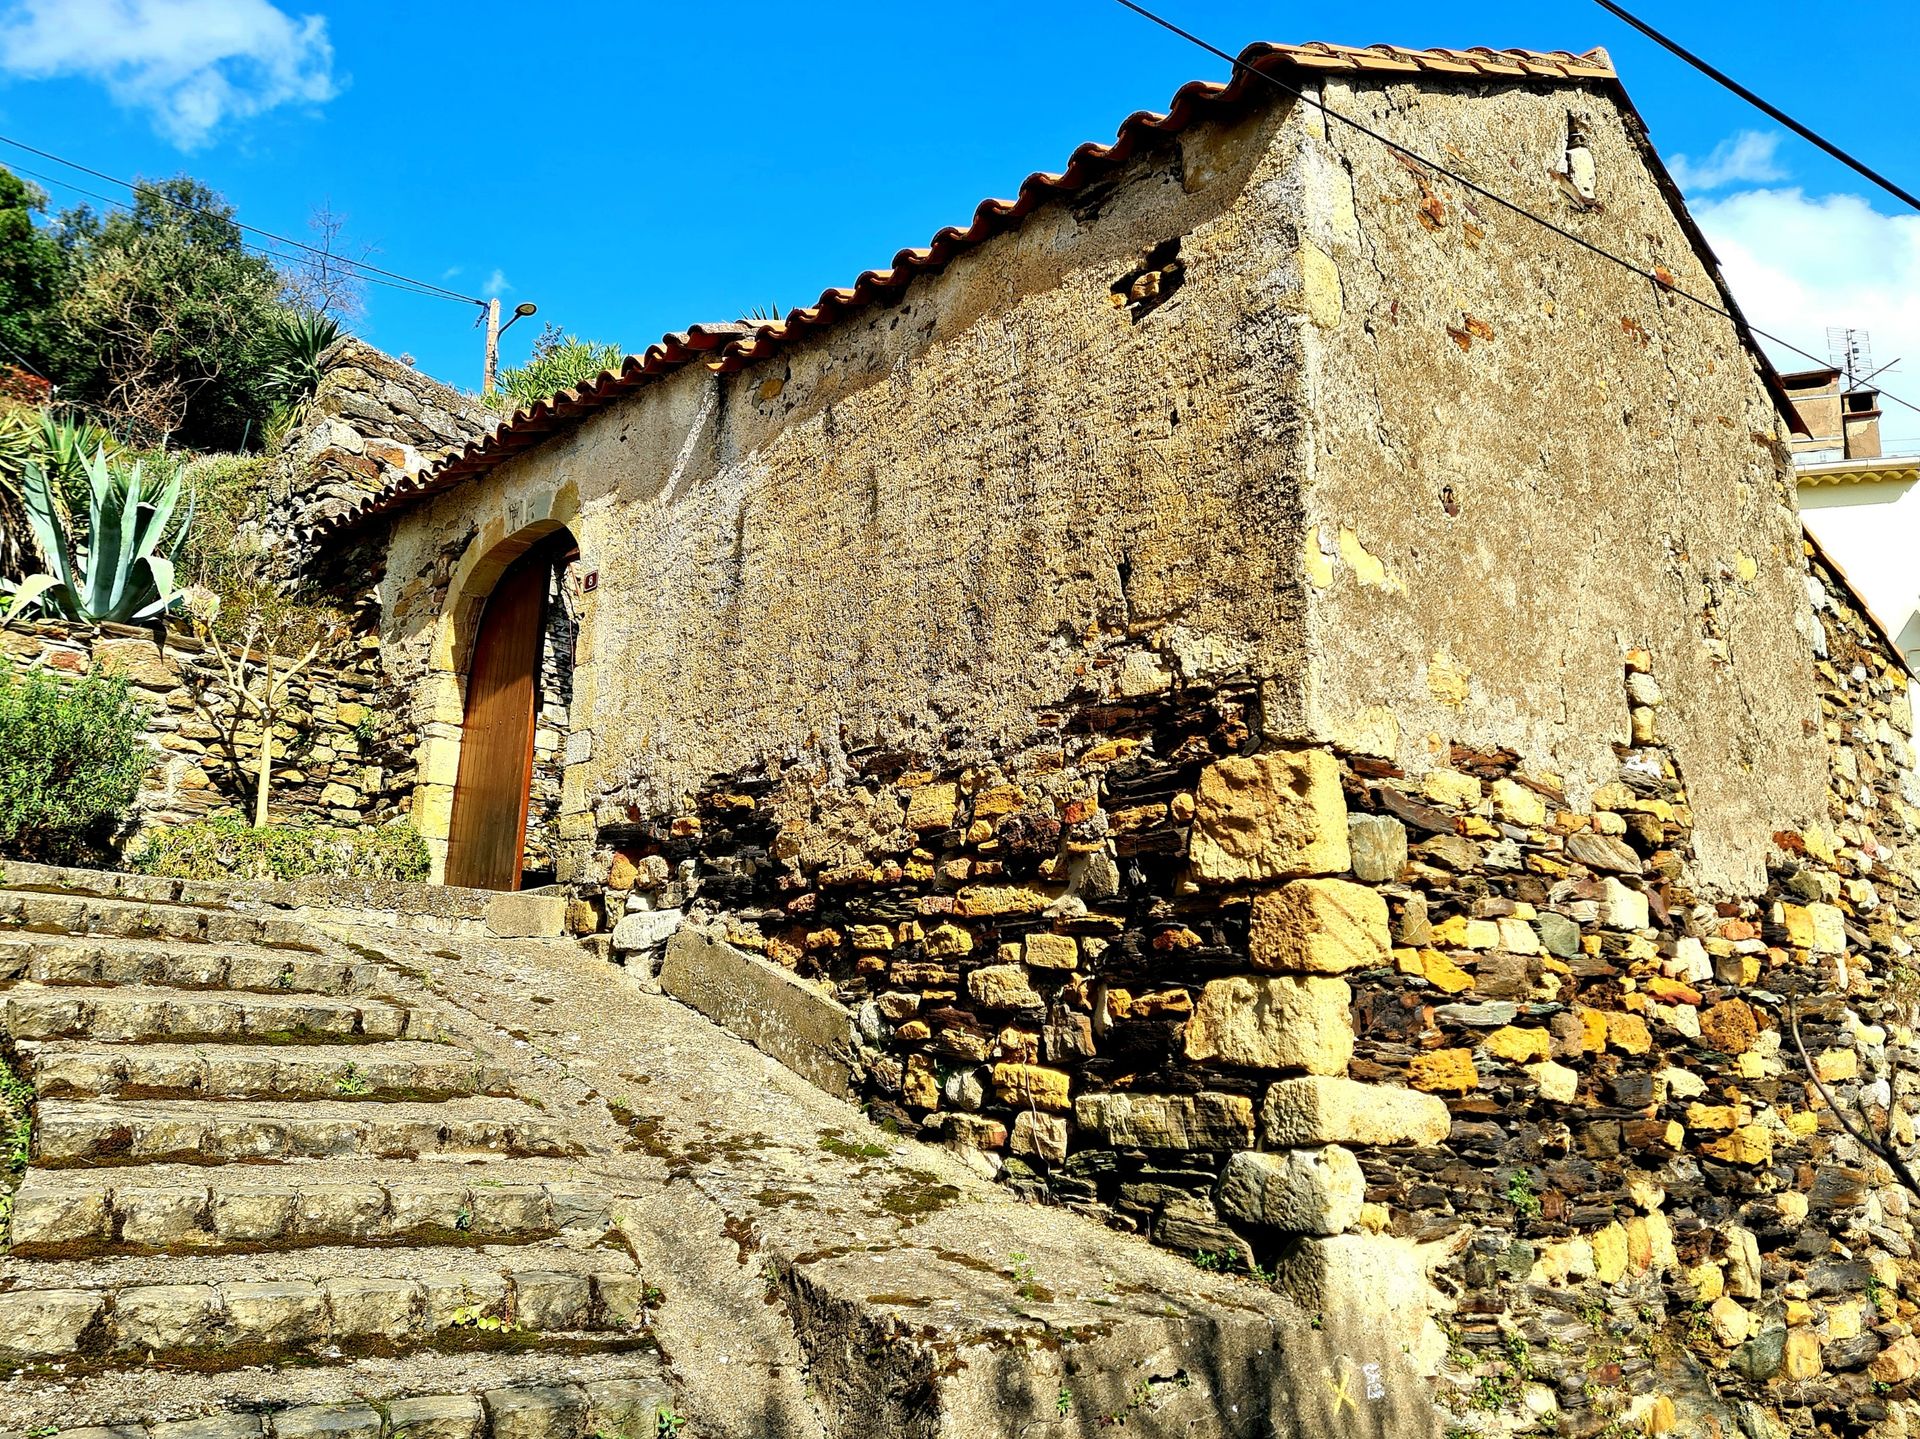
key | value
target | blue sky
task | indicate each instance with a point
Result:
(632, 168)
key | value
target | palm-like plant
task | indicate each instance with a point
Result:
(293, 372)
(124, 571)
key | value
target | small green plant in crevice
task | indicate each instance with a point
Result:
(1063, 1403)
(1520, 1194)
(352, 1083)
(1493, 1392)
(463, 1221)
(1023, 1278)
(834, 1142)
(475, 1316)
(666, 1423)
(16, 1137)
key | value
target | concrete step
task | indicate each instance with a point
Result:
(142, 1013)
(174, 964)
(61, 913)
(91, 1132)
(370, 1311)
(530, 1394)
(388, 1071)
(189, 1209)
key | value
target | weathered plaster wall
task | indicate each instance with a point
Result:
(911, 533)
(1521, 451)
(1375, 446)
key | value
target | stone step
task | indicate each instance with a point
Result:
(85, 1132)
(371, 1311)
(422, 1395)
(300, 1205)
(388, 1071)
(172, 964)
(60, 913)
(141, 1013)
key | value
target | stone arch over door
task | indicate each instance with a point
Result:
(516, 527)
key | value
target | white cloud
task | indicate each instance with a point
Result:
(497, 284)
(1800, 263)
(1746, 158)
(191, 64)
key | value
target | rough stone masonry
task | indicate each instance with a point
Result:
(1294, 708)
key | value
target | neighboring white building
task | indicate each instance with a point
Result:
(1862, 506)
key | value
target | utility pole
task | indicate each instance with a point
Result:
(493, 346)
(494, 331)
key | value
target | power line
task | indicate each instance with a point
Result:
(1721, 78)
(121, 205)
(162, 195)
(22, 359)
(1658, 277)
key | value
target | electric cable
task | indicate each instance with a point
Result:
(406, 289)
(159, 194)
(1656, 276)
(1721, 78)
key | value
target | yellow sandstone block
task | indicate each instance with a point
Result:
(1519, 1046)
(1443, 1069)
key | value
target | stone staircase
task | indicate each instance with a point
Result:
(377, 1183)
(253, 1152)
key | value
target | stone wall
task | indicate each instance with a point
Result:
(1451, 1037)
(553, 701)
(339, 758)
(372, 421)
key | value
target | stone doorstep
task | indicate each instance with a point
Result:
(144, 1320)
(71, 1132)
(138, 1012)
(380, 1072)
(239, 1212)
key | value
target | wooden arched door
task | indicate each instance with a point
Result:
(488, 828)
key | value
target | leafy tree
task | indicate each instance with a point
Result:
(168, 318)
(559, 362)
(32, 267)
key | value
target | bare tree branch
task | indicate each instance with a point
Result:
(1881, 1149)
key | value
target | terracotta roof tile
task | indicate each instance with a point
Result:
(728, 347)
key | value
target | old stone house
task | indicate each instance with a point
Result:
(1289, 700)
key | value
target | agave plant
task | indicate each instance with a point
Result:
(124, 570)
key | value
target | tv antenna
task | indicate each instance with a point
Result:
(1850, 351)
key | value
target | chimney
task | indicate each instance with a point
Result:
(1860, 424)
(1816, 395)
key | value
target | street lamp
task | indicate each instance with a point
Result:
(494, 331)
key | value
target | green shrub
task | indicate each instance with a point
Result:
(230, 848)
(71, 761)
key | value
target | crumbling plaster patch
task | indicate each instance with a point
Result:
(1555, 459)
